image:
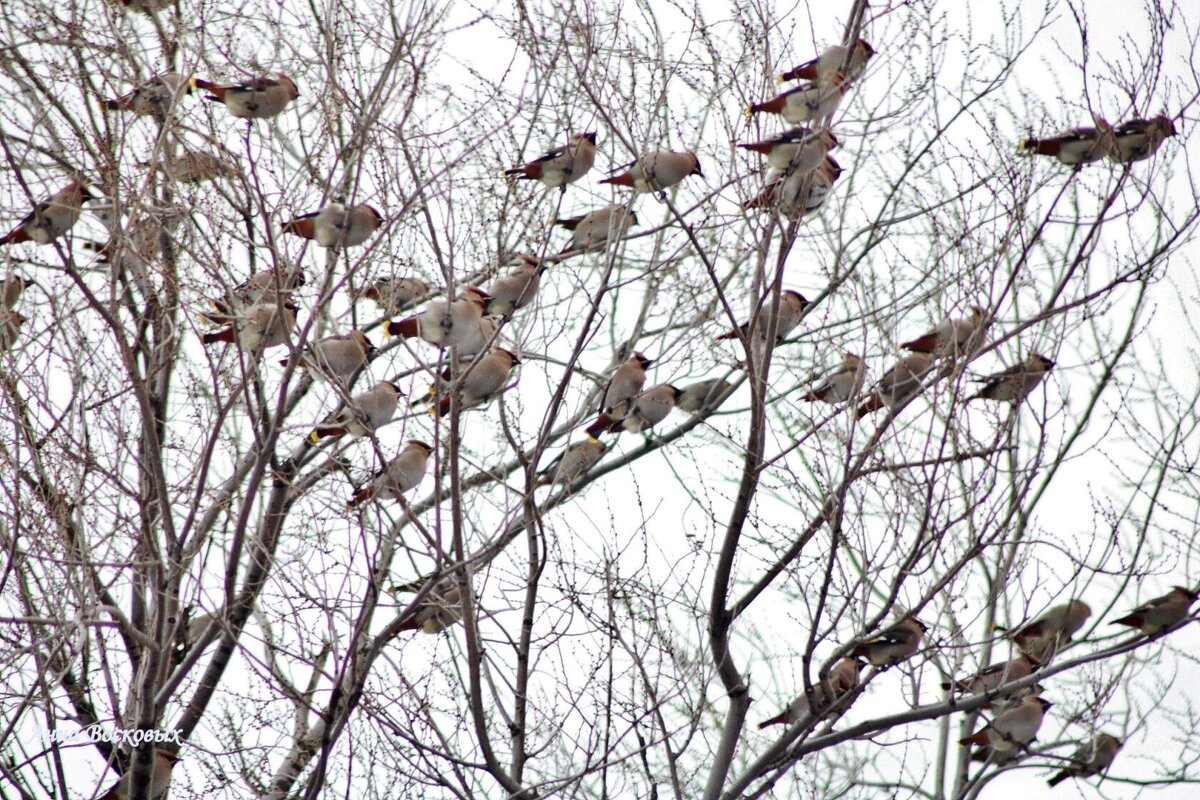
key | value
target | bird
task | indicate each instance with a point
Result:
(573, 463)
(795, 194)
(1046, 634)
(1090, 759)
(197, 166)
(994, 675)
(11, 289)
(791, 310)
(437, 610)
(264, 286)
(562, 165)
(797, 149)
(10, 328)
(1160, 614)
(842, 384)
(698, 396)
(160, 778)
(808, 102)
(893, 645)
(52, 217)
(335, 225)
(595, 229)
(366, 413)
(657, 171)
(401, 475)
(147, 6)
(1138, 139)
(481, 384)
(257, 98)
(624, 384)
(1074, 148)
(256, 327)
(647, 410)
(447, 323)
(843, 678)
(832, 62)
(154, 98)
(898, 384)
(393, 295)
(517, 289)
(1014, 384)
(951, 338)
(1014, 728)
(336, 357)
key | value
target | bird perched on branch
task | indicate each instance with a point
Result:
(261, 287)
(842, 384)
(898, 384)
(437, 610)
(160, 778)
(1014, 384)
(366, 413)
(791, 310)
(894, 644)
(798, 149)
(517, 289)
(335, 225)
(1046, 635)
(11, 289)
(624, 384)
(698, 396)
(1138, 139)
(392, 294)
(573, 463)
(562, 165)
(795, 194)
(447, 323)
(1014, 728)
(336, 357)
(1074, 148)
(154, 98)
(257, 98)
(843, 678)
(646, 410)
(10, 328)
(197, 166)
(1090, 759)
(832, 62)
(1160, 614)
(951, 338)
(481, 384)
(657, 171)
(255, 327)
(401, 475)
(809, 102)
(596, 229)
(52, 217)
(994, 675)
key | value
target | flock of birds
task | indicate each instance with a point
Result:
(261, 314)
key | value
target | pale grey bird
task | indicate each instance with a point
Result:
(842, 384)
(516, 289)
(596, 229)
(52, 217)
(335, 225)
(562, 165)
(951, 337)
(478, 386)
(445, 323)
(437, 611)
(1014, 728)
(647, 410)
(833, 63)
(792, 305)
(698, 396)
(336, 357)
(796, 149)
(256, 327)
(1046, 634)
(367, 413)
(656, 171)
(393, 295)
(573, 463)
(402, 474)
(1090, 759)
(1157, 615)
(1014, 384)
(898, 384)
(257, 98)
(894, 644)
(809, 102)
(993, 675)
(624, 384)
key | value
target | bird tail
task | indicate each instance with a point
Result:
(873, 404)
(15, 236)
(1132, 620)
(410, 623)
(923, 344)
(773, 106)
(778, 719)
(763, 148)
(406, 328)
(116, 104)
(624, 179)
(603, 424)
(516, 172)
(327, 431)
(306, 228)
(226, 335)
(569, 224)
(980, 737)
(1058, 778)
(806, 71)
(361, 496)
(1041, 147)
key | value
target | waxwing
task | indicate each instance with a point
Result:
(160, 778)
(482, 383)
(366, 413)
(1014, 384)
(393, 295)
(255, 327)
(336, 357)
(1014, 728)
(657, 171)
(402, 474)
(573, 463)
(625, 384)
(842, 384)
(52, 217)
(155, 98)
(796, 149)
(594, 230)
(517, 289)
(1161, 613)
(951, 338)
(445, 323)
(1090, 759)
(791, 310)
(808, 102)
(335, 225)
(1139, 139)
(894, 644)
(832, 63)
(257, 98)
(898, 384)
(562, 165)
(648, 409)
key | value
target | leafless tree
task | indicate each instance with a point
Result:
(180, 557)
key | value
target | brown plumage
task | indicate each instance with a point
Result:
(657, 171)
(1014, 728)
(160, 778)
(335, 225)
(1014, 384)
(256, 327)
(647, 410)
(898, 384)
(1074, 148)
(480, 385)
(447, 324)
(402, 474)
(437, 611)
(792, 305)
(366, 413)
(1138, 139)
(597, 228)
(843, 678)
(795, 194)
(1160, 614)
(809, 102)
(1047, 634)
(842, 384)
(798, 149)
(257, 98)
(573, 463)
(336, 357)
(832, 62)
(624, 385)
(994, 675)
(1090, 759)
(154, 98)
(516, 289)
(894, 644)
(52, 217)
(562, 165)
(951, 337)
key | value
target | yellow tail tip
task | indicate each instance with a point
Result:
(194, 82)
(314, 437)
(782, 77)
(749, 111)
